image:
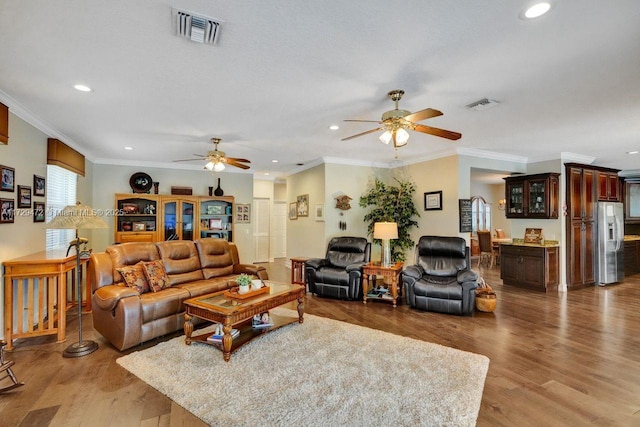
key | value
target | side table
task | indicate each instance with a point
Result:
(297, 270)
(375, 269)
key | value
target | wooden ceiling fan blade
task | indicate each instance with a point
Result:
(235, 159)
(427, 113)
(236, 164)
(438, 132)
(362, 134)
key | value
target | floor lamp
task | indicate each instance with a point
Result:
(78, 217)
(385, 231)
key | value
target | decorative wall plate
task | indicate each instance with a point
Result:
(140, 182)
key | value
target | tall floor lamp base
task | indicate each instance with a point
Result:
(80, 349)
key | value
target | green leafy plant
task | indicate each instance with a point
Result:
(393, 204)
(243, 280)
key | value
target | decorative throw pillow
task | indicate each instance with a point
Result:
(134, 277)
(156, 275)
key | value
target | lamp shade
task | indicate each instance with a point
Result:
(77, 216)
(386, 137)
(385, 230)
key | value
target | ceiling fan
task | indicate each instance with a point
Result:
(396, 122)
(217, 159)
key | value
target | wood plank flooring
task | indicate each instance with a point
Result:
(557, 359)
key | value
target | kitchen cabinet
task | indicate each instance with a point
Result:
(534, 267)
(4, 124)
(178, 215)
(631, 257)
(609, 187)
(532, 196)
(136, 218)
(632, 201)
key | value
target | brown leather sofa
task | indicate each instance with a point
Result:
(127, 317)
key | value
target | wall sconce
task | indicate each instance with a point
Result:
(502, 203)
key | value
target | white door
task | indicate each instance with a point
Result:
(279, 231)
(261, 229)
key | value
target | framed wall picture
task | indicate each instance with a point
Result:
(139, 226)
(293, 210)
(6, 210)
(8, 178)
(319, 212)
(243, 213)
(24, 196)
(39, 186)
(303, 205)
(433, 201)
(38, 211)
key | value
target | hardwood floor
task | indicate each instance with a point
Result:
(557, 359)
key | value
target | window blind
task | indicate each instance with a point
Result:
(61, 192)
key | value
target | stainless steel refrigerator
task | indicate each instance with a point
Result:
(610, 229)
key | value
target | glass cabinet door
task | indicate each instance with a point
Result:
(537, 199)
(515, 191)
(187, 220)
(170, 221)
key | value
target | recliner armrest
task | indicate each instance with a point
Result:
(414, 271)
(467, 276)
(355, 267)
(107, 297)
(249, 269)
(316, 263)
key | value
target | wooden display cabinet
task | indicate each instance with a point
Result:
(136, 218)
(534, 267)
(532, 196)
(215, 215)
(177, 218)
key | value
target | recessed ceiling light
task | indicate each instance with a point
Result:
(128, 148)
(334, 127)
(266, 173)
(633, 152)
(535, 11)
(82, 88)
(274, 161)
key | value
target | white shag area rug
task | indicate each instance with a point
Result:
(319, 373)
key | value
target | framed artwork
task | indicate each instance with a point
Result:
(293, 210)
(6, 210)
(243, 213)
(433, 201)
(39, 186)
(215, 224)
(38, 211)
(24, 196)
(8, 178)
(303, 205)
(319, 212)
(139, 226)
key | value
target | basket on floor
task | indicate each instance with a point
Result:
(485, 297)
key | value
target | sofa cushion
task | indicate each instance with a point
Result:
(156, 275)
(202, 287)
(130, 254)
(216, 257)
(181, 261)
(344, 251)
(134, 277)
(157, 305)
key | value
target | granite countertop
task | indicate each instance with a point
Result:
(546, 244)
(631, 237)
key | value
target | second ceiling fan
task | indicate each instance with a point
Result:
(217, 159)
(396, 122)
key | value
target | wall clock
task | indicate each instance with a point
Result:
(140, 182)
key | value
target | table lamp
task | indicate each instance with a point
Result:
(76, 217)
(385, 231)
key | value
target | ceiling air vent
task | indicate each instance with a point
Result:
(482, 104)
(197, 28)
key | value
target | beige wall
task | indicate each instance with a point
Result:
(305, 235)
(111, 179)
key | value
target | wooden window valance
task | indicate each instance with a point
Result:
(4, 124)
(60, 154)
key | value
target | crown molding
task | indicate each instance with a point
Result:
(161, 165)
(463, 151)
(576, 158)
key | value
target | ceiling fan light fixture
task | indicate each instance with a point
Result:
(401, 138)
(218, 167)
(385, 138)
(209, 166)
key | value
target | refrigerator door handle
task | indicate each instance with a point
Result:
(618, 233)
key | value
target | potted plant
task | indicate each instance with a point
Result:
(393, 204)
(244, 282)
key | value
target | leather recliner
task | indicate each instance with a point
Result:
(441, 279)
(339, 274)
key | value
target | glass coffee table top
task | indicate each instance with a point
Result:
(220, 300)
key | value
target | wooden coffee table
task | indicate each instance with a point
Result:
(232, 312)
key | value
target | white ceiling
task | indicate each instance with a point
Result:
(284, 70)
